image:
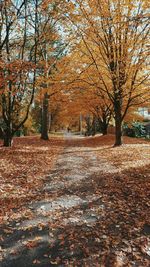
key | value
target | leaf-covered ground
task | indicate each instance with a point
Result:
(22, 171)
(89, 206)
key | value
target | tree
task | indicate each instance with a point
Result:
(28, 34)
(51, 51)
(96, 108)
(86, 92)
(18, 54)
(116, 37)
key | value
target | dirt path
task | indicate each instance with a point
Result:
(73, 223)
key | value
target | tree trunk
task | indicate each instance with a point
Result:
(118, 130)
(44, 128)
(104, 129)
(50, 123)
(7, 137)
(88, 125)
(103, 126)
(80, 124)
(94, 126)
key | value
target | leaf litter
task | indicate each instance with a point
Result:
(109, 227)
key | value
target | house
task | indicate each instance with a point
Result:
(147, 128)
(144, 112)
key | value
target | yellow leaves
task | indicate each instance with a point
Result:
(71, 6)
(145, 4)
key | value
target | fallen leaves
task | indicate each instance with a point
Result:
(36, 262)
(110, 227)
(23, 169)
(32, 243)
(8, 231)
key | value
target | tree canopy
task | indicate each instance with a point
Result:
(90, 51)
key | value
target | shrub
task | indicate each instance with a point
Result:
(137, 129)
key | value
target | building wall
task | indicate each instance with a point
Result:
(145, 112)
